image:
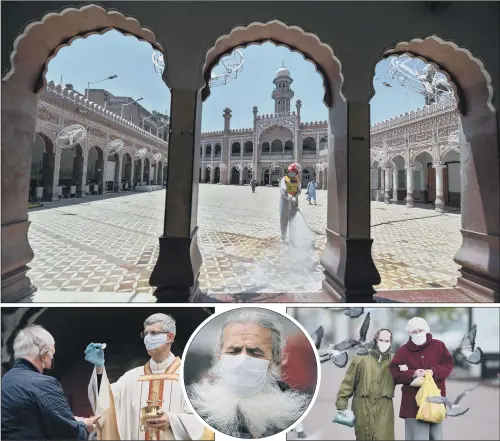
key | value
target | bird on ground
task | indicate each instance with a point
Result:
(317, 336)
(453, 409)
(338, 353)
(354, 312)
(468, 347)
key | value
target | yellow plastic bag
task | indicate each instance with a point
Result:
(429, 412)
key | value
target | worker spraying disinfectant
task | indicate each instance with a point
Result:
(289, 203)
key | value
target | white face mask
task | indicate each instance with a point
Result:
(292, 175)
(383, 346)
(419, 339)
(153, 342)
(245, 375)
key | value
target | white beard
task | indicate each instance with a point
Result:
(269, 411)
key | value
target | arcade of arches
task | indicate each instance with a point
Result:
(349, 271)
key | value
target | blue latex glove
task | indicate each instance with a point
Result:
(95, 354)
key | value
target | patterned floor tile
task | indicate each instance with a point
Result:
(112, 244)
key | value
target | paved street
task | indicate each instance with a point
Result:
(110, 244)
(480, 422)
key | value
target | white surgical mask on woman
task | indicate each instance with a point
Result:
(153, 342)
(245, 375)
(419, 339)
(292, 175)
(383, 346)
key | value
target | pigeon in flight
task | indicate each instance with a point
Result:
(354, 312)
(317, 336)
(452, 409)
(338, 353)
(468, 347)
(353, 343)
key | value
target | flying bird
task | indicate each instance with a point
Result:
(353, 343)
(338, 353)
(354, 312)
(468, 347)
(453, 409)
(317, 336)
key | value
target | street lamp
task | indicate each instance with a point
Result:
(144, 119)
(128, 104)
(112, 77)
(161, 127)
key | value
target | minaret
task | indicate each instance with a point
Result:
(282, 94)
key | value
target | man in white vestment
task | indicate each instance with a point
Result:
(128, 406)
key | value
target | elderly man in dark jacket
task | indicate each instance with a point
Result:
(420, 354)
(33, 404)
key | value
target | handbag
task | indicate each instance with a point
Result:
(344, 417)
(429, 412)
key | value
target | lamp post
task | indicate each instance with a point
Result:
(128, 104)
(112, 77)
(144, 119)
(161, 127)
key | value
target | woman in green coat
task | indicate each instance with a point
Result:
(370, 382)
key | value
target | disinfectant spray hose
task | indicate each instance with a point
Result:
(381, 223)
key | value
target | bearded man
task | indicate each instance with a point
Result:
(147, 402)
(419, 355)
(369, 381)
(245, 395)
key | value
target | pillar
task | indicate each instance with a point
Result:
(409, 186)
(78, 172)
(395, 185)
(176, 272)
(142, 170)
(85, 153)
(19, 108)
(226, 148)
(57, 168)
(439, 204)
(118, 175)
(387, 188)
(381, 192)
(132, 175)
(350, 272)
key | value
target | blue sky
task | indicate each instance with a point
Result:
(100, 56)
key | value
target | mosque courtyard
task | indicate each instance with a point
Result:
(104, 244)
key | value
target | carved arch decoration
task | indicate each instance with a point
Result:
(470, 80)
(276, 130)
(41, 40)
(294, 38)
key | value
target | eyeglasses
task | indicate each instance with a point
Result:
(152, 333)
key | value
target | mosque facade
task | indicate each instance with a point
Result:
(415, 157)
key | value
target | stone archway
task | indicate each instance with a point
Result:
(216, 175)
(235, 176)
(37, 43)
(207, 174)
(42, 168)
(95, 169)
(479, 254)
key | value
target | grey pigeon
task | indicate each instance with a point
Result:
(317, 336)
(338, 358)
(468, 347)
(352, 343)
(354, 312)
(453, 409)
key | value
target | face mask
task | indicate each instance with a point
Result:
(153, 342)
(245, 375)
(419, 339)
(383, 346)
(292, 175)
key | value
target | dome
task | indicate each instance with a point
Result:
(282, 72)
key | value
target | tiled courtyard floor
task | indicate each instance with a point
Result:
(111, 244)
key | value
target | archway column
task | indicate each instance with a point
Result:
(57, 168)
(387, 187)
(179, 261)
(83, 179)
(350, 272)
(19, 108)
(142, 170)
(439, 203)
(394, 185)
(479, 255)
(118, 174)
(410, 202)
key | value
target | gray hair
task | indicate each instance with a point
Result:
(263, 318)
(32, 341)
(166, 322)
